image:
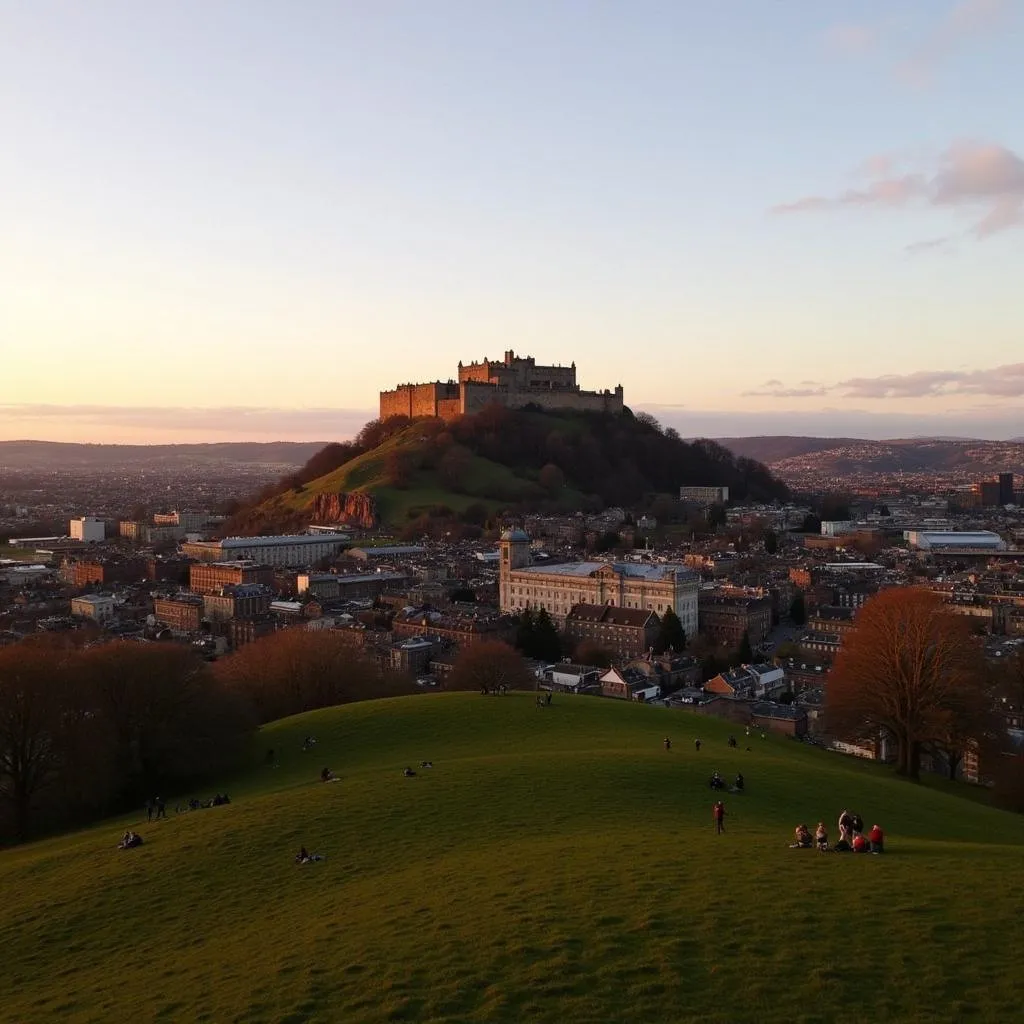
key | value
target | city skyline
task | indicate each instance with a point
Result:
(241, 226)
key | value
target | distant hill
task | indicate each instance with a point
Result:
(524, 460)
(60, 456)
(793, 458)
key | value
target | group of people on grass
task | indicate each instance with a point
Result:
(130, 840)
(852, 837)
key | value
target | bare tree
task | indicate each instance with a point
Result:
(913, 669)
(31, 723)
(490, 664)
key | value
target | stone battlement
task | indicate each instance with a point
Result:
(514, 382)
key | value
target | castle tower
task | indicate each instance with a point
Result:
(515, 554)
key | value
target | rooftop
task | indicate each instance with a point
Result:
(633, 570)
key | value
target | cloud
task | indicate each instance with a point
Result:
(776, 390)
(1001, 381)
(965, 21)
(968, 176)
(927, 245)
(166, 424)
(852, 38)
(999, 424)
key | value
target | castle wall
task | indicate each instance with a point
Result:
(581, 401)
(414, 400)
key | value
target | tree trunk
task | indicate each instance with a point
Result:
(914, 762)
(902, 754)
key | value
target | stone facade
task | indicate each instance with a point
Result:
(514, 382)
(558, 588)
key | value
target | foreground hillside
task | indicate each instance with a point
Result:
(555, 864)
(506, 459)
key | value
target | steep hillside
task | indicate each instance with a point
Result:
(510, 459)
(554, 865)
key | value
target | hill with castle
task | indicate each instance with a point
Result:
(508, 436)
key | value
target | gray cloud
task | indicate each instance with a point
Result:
(969, 175)
(1001, 381)
(927, 245)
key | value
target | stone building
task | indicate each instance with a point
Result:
(624, 633)
(558, 588)
(210, 577)
(183, 612)
(515, 382)
(725, 618)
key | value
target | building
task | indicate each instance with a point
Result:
(188, 521)
(704, 495)
(836, 527)
(559, 588)
(624, 684)
(955, 542)
(299, 550)
(387, 552)
(98, 607)
(212, 577)
(238, 601)
(1006, 493)
(88, 529)
(515, 383)
(104, 571)
(455, 630)
(724, 618)
(624, 633)
(183, 612)
(150, 533)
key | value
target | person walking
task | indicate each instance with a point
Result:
(149, 810)
(161, 807)
(718, 813)
(696, 744)
(668, 743)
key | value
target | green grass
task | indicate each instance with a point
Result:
(486, 482)
(19, 554)
(555, 865)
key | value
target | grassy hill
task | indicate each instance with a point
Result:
(555, 864)
(524, 459)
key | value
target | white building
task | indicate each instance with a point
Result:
(294, 551)
(188, 521)
(836, 527)
(955, 541)
(98, 607)
(557, 588)
(88, 529)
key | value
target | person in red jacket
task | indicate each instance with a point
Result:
(718, 813)
(860, 844)
(876, 837)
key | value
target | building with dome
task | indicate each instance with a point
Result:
(559, 588)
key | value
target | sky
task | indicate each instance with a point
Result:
(242, 219)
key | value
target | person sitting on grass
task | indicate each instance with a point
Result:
(860, 844)
(326, 775)
(802, 838)
(716, 781)
(821, 837)
(740, 783)
(426, 764)
(408, 773)
(130, 840)
(305, 857)
(876, 838)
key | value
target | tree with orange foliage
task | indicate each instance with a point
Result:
(911, 668)
(491, 664)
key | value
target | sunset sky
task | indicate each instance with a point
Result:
(240, 220)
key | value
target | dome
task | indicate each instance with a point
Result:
(520, 536)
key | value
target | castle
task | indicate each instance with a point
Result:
(515, 382)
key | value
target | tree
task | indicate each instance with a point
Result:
(671, 635)
(909, 668)
(798, 610)
(32, 683)
(811, 524)
(525, 632)
(744, 653)
(490, 664)
(454, 467)
(590, 652)
(552, 479)
(547, 645)
(771, 542)
(716, 517)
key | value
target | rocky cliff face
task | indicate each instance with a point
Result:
(355, 508)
